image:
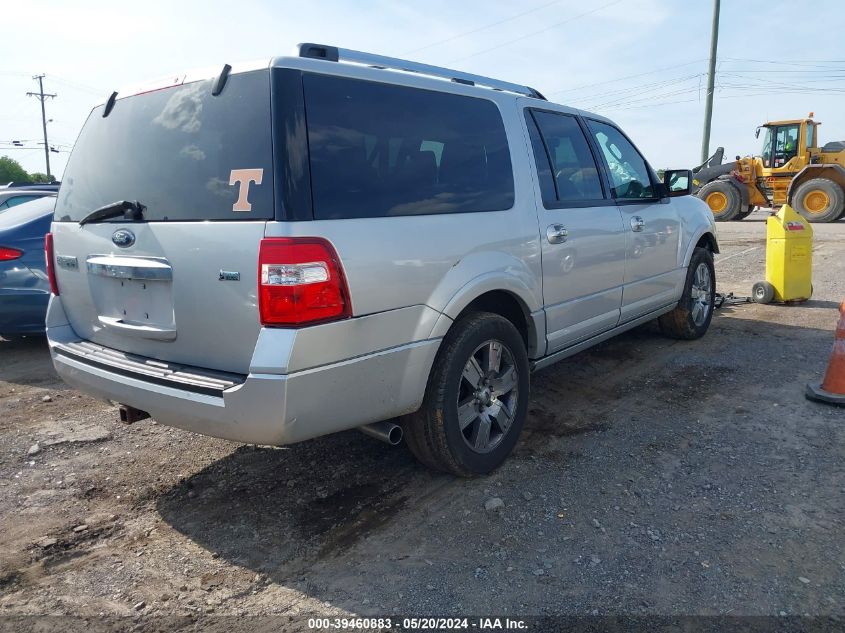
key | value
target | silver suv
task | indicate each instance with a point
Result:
(331, 240)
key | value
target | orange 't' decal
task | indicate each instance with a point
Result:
(244, 177)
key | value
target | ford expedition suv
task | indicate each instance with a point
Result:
(276, 251)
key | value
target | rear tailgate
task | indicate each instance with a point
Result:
(164, 298)
(180, 283)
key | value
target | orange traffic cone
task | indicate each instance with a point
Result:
(832, 388)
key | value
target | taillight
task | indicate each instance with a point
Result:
(300, 282)
(51, 263)
(8, 254)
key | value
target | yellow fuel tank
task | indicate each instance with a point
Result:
(789, 259)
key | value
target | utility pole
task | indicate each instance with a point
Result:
(711, 80)
(42, 97)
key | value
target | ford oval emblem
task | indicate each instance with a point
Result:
(124, 238)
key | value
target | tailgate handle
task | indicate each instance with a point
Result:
(138, 330)
(147, 268)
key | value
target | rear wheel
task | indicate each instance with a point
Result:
(723, 198)
(691, 318)
(476, 400)
(819, 200)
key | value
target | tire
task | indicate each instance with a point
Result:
(434, 434)
(691, 318)
(723, 198)
(819, 200)
(763, 292)
(745, 213)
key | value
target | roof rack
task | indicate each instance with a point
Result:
(335, 54)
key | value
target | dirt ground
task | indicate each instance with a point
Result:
(654, 477)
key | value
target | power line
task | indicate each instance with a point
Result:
(609, 81)
(631, 91)
(481, 28)
(811, 63)
(543, 30)
(644, 99)
(78, 86)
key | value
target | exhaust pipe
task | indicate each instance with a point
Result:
(387, 432)
(129, 415)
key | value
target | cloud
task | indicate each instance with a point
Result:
(192, 151)
(183, 109)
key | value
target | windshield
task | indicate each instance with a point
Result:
(181, 152)
(780, 145)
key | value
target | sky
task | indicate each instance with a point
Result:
(642, 63)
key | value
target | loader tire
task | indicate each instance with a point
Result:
(723, 198)
(819, 200)
(745, 213)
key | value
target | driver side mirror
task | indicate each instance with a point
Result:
(677, 182)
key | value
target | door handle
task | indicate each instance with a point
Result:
(556, 233)
(637, 224)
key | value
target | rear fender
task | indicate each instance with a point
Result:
(484, 272)
(836, 173)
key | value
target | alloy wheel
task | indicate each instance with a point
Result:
(701, 302)
(487, 396)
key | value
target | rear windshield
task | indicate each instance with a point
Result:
(181, 152)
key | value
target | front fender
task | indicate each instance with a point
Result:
(696, 221)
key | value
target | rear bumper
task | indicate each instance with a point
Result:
(273, 409)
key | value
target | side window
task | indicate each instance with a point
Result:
(629, 173)
(810, 131)
(384, 150)
(544, 169)
(13, 202)
(566, 167)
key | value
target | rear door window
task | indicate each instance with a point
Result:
(385, 150)
(629, 173)
(13, 202)
(566, 167)
(182, 152)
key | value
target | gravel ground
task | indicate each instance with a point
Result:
(654, 477)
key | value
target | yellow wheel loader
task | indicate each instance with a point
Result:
(792, 169)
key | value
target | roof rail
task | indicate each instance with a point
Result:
(335, 54)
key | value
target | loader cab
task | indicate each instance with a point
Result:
(786, 145)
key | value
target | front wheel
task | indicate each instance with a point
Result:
(691, 318)
(476, 400)
(748, 211)
(723, 198)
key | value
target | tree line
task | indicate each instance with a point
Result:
(11, 171)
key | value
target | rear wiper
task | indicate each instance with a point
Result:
(129, 209)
